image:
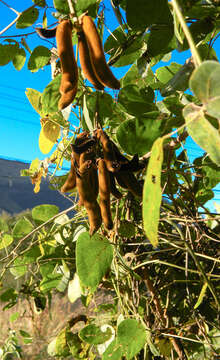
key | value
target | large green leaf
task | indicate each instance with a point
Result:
(114, 351)
(141, 13)
(211, 173)
(202, 132)
(131, 335)
(161, 41)
(104, 103)
(130, 53)
(51, 96)
(19, 59)
(205, 83)
(136, 101)
(42, 213)
(27, 18)
(152, 194)
(39, 58)
(93, 259)
(136, 136)
(92, 334)
(114, 41)
(22, 227)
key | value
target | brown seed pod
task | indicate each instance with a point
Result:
(85, 62)
(104, 194)
(88, 196)
(113, 189)
(70, 182)
(108, 151)
(127, 180)
(97, 56)
(69, 80)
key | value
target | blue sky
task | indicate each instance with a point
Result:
(19, 123)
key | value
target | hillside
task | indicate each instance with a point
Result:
(16, 192)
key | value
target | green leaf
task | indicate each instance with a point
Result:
(51, 96)
(50, 282)
(113, 351)
(105, 104)
(27, 18)
(202, 132)
(141, 13)
(61, 6)
(130, 54)
(152, 194)
(116, 39)
(205, 83)
(201, 296)
(179, 81)
(40, 57)
(19, 59)
(211, 173)
(132, 336)
(92, 334)
(34, 96)
(5, 241)
(83, 5)
(42, 213)
(136, 136)
(203, 195)
(136, 101)
(19, 267)
(22, 227)
(41, 3)
(161, 41)
(7, 53)
(93, 259)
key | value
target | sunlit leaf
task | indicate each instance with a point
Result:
(92, 334)
(39, 58)
(5, 241)
(132, 336)
(44, 212)
(19, 59)
(202, 132)
(34, 96)
(201, 296)
(27, 18)
(152, 194)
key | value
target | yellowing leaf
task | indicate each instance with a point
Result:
(201, 296)
(152, 194)
(48, 136)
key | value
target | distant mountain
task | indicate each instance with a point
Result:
(16, 192)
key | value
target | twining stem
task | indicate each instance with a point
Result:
(195, 54)
(15, 11)
(72, 10)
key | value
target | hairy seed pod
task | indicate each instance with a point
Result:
(113, 189)
(85, 62)
(132, 165)
(70, 182)
(46, 33)
(69, 80)
(104, 194)
(88, 197)
(97, 56)
(127, 180)
(108, 151)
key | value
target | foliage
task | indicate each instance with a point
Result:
(160, 263)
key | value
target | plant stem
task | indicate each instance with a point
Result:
(72, 10)
(195, 54)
